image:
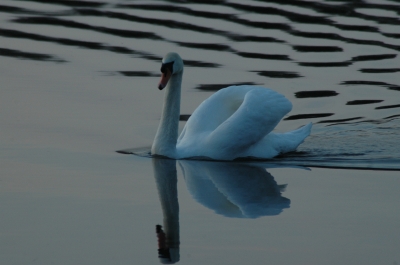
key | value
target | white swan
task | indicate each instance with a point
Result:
(235, 122)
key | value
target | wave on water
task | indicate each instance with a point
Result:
(351, 144)
(348, 145)
(336, 60)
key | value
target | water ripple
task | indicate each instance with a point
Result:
(72, 24)
(29, 55)
(320, 54)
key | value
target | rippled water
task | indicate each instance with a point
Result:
(79, 81)
(337, 61)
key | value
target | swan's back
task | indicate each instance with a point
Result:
(232, 120)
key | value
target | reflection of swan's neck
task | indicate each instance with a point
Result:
(167, 133)
(168, 239)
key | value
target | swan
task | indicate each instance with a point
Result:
(235, 122)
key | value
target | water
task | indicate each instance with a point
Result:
(79, 82)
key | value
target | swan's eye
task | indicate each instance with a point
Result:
(167, 66)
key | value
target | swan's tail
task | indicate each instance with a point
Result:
(291, 140)
(274, 144)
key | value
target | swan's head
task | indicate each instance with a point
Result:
(172, 63)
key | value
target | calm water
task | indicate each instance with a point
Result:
(79, 82)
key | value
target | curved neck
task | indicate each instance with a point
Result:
(167, 134)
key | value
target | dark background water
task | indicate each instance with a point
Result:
(79, 81)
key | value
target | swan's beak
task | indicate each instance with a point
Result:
(164, 79)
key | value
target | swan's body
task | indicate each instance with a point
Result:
(235, 122)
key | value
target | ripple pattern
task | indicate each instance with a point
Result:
(336, 59)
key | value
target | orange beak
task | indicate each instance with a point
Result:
(164, 79)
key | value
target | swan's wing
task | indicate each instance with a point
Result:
(212, 112)
(260, 112)
(216, 109)
(233, 119)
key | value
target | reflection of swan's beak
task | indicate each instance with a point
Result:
(164, 80)
(166, 254)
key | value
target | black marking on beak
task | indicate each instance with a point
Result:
(167, 66)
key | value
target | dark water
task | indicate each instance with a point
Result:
(337, 61)
(79, 81)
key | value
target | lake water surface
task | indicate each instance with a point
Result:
(79, 82)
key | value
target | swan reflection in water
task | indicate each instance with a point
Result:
(231, 189)
(168, 239)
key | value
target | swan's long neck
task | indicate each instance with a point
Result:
(167, 134)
